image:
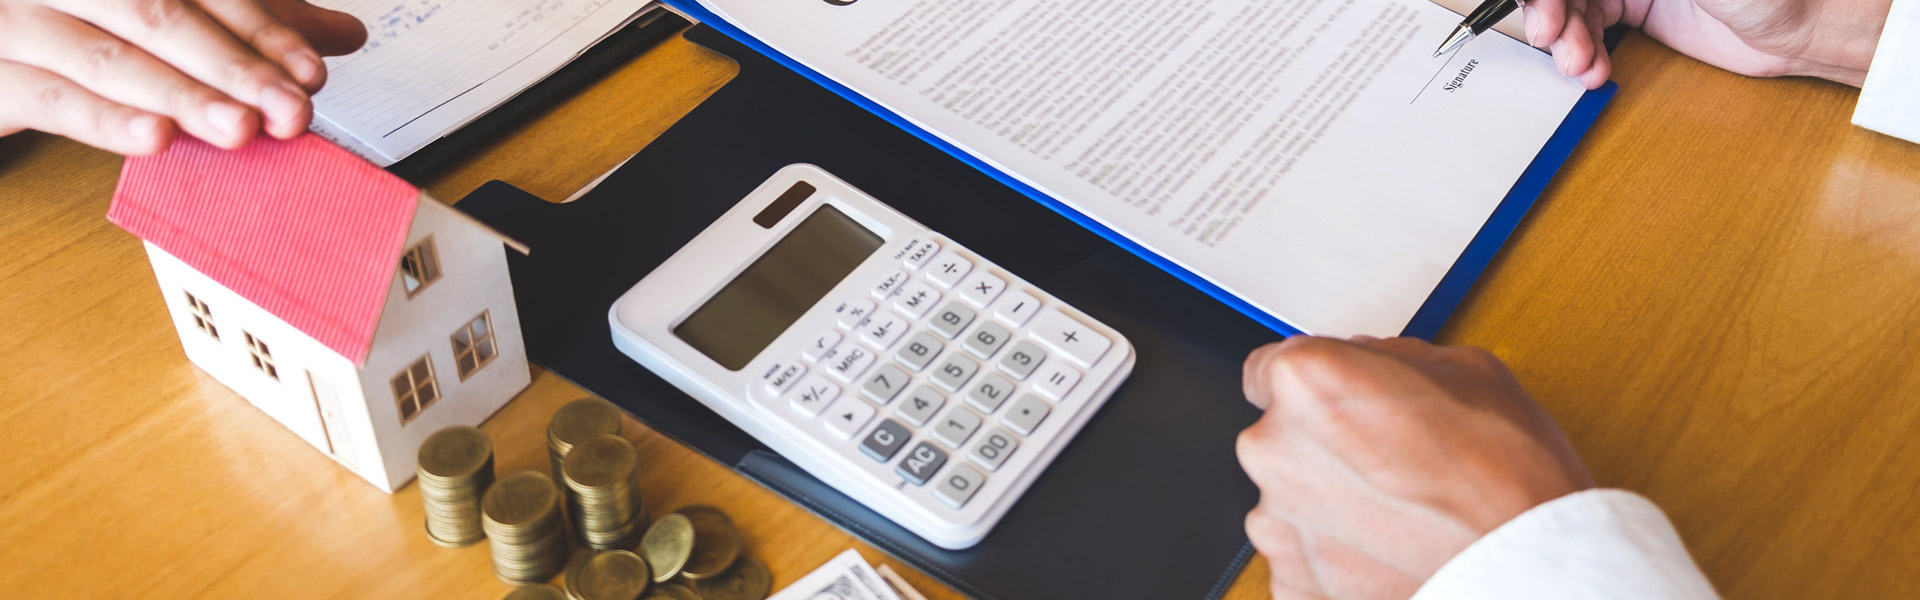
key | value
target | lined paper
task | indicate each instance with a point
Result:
(431, 66)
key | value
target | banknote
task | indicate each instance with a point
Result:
(846, 577)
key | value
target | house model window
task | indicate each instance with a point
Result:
(415, 390)
(262, 357)
(473, 345)
(419, 266)
(202, 316)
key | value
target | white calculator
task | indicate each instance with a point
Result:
(890, 362)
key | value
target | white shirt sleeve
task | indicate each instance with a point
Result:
(1890, 98)
(1599, 544)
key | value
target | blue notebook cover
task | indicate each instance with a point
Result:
(1426, 321)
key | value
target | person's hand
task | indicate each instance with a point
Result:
(1379, 460)
(125, 75)
(1831, 39)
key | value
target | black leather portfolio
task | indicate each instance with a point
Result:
(1147, 502)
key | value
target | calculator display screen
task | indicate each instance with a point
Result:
(772, 293)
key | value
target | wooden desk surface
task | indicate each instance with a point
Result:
(1718, 299)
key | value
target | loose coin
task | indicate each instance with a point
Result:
(536, 592)
(715, 545)
(672, 591)
(667, 545)
(609, 575)
(747, 580)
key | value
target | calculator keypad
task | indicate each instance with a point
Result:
(939, 357)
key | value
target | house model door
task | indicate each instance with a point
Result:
(339, 444)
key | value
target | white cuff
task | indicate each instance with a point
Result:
(1601, 544)
(1890, 98)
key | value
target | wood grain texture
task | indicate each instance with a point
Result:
(1717, 299)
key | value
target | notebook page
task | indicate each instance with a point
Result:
(431, 66)
(1307, 156)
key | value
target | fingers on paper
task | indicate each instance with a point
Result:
(40, 99)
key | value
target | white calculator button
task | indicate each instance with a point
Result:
(852, 313)
(918, 252)
(1022, 360)
(952, 319)
(1070, 336)
(1026, 414)
(954, 371)
(889, 285)
(847, 417)
(885, 328)
(884, 384)
(780, 376)
(981, 288)
(989, 393)
(812, 396)
(956, 427)
(823, 343)
(1056, 380)
(920, 404)
(986, 340)
(958, 485)
(993, 448)
(1016, 307)
(920, 350)
(948, 268)
(849, 362)
(916, 299)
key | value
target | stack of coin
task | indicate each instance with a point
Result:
(539, 591)
(609, 575)
(579, 421)
(521, 515)
(455, 466)
(603, 475)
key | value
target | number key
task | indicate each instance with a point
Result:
(993, 449)
(920, 405)
(1024, 358)
(957, 427)
(951, 319)
(884, 384)
(958, 485)
(987, 339)
(954, 371)
(989, 393)
(920, 350)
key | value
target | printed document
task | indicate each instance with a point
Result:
(432, 66)
(1308, 156)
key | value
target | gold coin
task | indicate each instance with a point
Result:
(667, 545)
(601, 461)
(673, 591)
(610, 575)
(579, 421)
(692, 509)
(715, 545)
(747, 580)
(536, 592)
(520, 499)
(454, 453)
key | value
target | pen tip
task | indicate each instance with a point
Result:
(1460, 36)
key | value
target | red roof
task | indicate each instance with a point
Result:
(301, 228)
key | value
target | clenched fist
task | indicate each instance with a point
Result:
(1379, 460)
(125, 75)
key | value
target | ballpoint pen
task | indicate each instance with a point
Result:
(1477, 22)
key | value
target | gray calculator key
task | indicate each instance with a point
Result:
(989, 393)
(921, 463)
(885, 440)
(1023, 359)
(1026, 413)
(988, 339)
(993, 449)
(951, 319)
(954, 371)
(958, 485)
(958, 425)
(919, 405)
(920, 350)
(884, 384)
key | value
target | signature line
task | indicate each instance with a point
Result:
(1436, 75)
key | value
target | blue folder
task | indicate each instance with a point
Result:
(1426, 321)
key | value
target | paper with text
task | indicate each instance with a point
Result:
(432, 66)
(1307, 156)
